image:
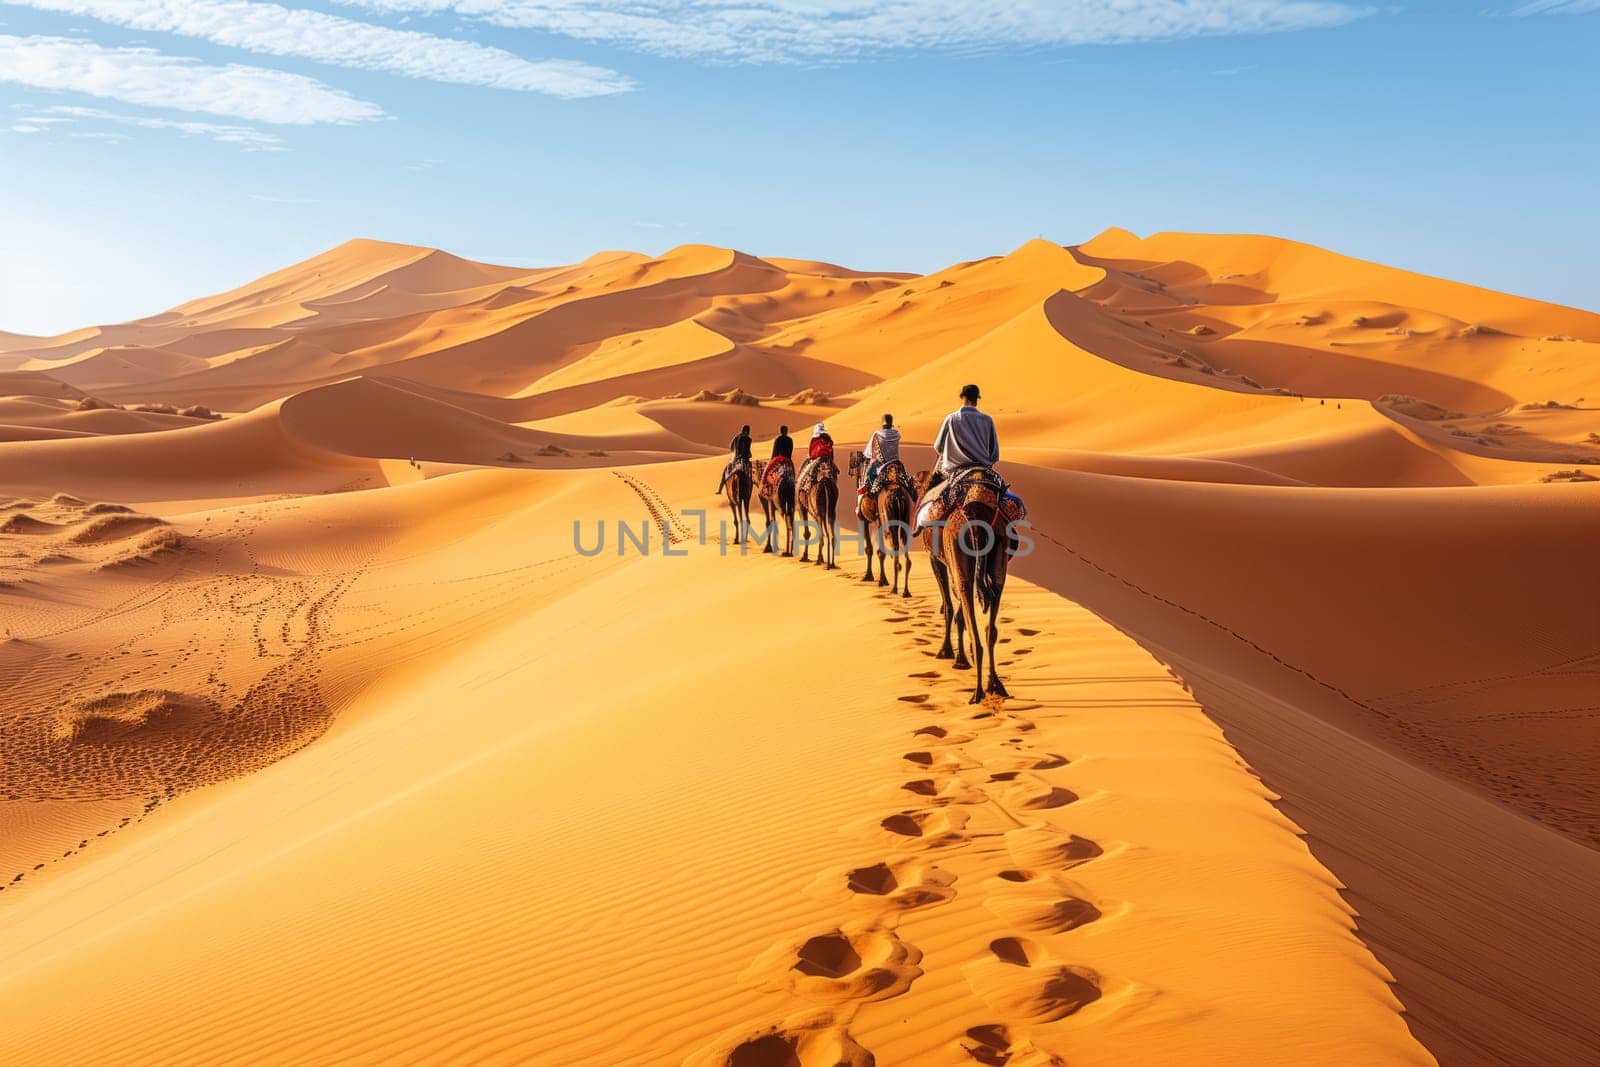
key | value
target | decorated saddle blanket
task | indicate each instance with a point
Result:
(881, 475)
(947, 496)
(773, 473)
(814, 469)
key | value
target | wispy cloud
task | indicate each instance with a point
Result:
(824, 30)
(271, 29)
(247, 137)
(1229, 72)
(153, 79)
(1559, 7)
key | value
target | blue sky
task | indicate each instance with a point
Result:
(156, 150)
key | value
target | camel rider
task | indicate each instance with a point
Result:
(966, 439)
(821, 448)
(883, 448)
(782, 453)
(740, 446)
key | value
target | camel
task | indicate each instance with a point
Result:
(819, 503)
(891, 509)
(777, 501)
(737, 489)
(969, 555)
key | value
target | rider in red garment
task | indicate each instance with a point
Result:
(821, 448)
(821, 443)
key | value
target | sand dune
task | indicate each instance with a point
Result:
(329, 735)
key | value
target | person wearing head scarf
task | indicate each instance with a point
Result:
(821, 442)
(883, 448)
(821, 448)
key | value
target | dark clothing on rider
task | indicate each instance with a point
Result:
(783, 447)
(740, 446)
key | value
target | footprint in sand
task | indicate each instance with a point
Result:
(939, 735)
(905, 883)
(1045, 847)
(846, 964)
(947, 759)
(1027, 759)
(1025, 632)
(997, 1045)
(1021, 981)
(809, 1040)
(1028, 792)
(1049, 903)
(951, 790)
(925, 674)
(936, 828)
(915, 698)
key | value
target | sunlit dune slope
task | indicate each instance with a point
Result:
(462, 808)
(325, 736)
(451, 322)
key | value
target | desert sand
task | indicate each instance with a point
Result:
(321, 741)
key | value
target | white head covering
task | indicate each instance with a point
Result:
(821, 429)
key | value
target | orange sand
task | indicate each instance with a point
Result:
(321, 743)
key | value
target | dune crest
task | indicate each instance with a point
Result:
(376, 682)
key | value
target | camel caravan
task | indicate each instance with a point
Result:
(963, 513)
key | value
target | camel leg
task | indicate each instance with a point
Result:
(941, 577)
(998, 583)
(961, 662)
(961, 597)
(907, 553)
(969, 612)
(995, 686)
(833, 546)
(805, 543)
(866, 539)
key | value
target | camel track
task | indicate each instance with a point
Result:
(970, 808)
(128, 724)
(216, 664)
(662, 514)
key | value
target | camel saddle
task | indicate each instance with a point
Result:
(772, 475)
(892, 471)
(814, 469)
(950, 492)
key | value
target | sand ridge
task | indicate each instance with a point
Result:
(291, 601)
